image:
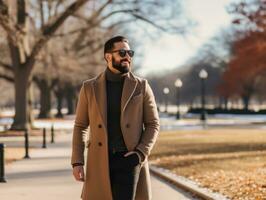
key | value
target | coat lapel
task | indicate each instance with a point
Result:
(129, 87)
(100, 94)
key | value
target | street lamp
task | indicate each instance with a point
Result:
(203, 74)
(178, 85)
(166, 92)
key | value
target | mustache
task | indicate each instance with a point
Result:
(124, 60)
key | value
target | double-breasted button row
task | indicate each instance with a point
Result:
(99, 143)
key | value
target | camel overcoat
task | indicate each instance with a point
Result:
(139, 124)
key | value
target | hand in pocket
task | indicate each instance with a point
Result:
(131, 159)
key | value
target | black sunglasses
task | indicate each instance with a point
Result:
(122, 52)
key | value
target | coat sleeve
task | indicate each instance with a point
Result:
(80, 127)
(150, 121)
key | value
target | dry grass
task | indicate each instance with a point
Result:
(13, 153)
(11, 133)
(232, 162)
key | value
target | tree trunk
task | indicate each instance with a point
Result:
(21, 99)
(70, 92)
(30, 110)
(23, 58)
(59, 96)
(22, 74)
(45, 99)
(245, 100)
(226, 103)
(223, 103)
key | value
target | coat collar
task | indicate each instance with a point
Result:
(129, 87)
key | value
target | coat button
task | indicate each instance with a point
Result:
(127, 125)
(99, 126)
(100, 144)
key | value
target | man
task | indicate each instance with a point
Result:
(121, 111)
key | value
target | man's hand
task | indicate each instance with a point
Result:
(132, 158)
(78, 173)
(139, 154)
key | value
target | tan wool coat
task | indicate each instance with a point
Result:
(139, 124)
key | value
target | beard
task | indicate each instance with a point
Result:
(119, 66)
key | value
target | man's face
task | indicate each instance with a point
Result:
(121, 63)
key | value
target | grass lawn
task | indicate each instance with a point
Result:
(14, 133)
(229, 161)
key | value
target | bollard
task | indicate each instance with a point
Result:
(26, 135)
(52, 133)
(2, 163)
(44, 138)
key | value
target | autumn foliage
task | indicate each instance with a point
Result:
(247, 67)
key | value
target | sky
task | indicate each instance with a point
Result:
(172, 51)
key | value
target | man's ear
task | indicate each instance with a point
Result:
(108, 57)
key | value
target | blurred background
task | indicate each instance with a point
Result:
(48, 54)
(205, 61)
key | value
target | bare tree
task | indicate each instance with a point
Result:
(63, 67)
(15, 23)
(29, 25)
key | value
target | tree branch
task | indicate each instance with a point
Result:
(72, 32)
(4, 20)
(7, 77)
(3, 8)
(6, 66)
(88, 43)
(92, 24)
(137, 16)
(112, 26)
(99, 11)
(59, 2)
(41, 12)
(50, 29)
(13, 30)
(132, 11)
(36, 80)
(21, 13)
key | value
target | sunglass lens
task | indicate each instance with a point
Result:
(131, 53)
(122, 53)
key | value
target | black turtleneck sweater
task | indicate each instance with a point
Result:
(114, 88)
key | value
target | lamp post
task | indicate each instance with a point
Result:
(203, 74)
(166, 92)
(178, 85)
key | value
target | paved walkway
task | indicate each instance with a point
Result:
(48, 175)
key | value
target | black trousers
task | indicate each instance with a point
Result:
(124, 176)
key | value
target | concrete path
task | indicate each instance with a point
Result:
(48, 175)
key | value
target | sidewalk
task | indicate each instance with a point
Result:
(48, 175)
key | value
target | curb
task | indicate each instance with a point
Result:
(186, 184)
